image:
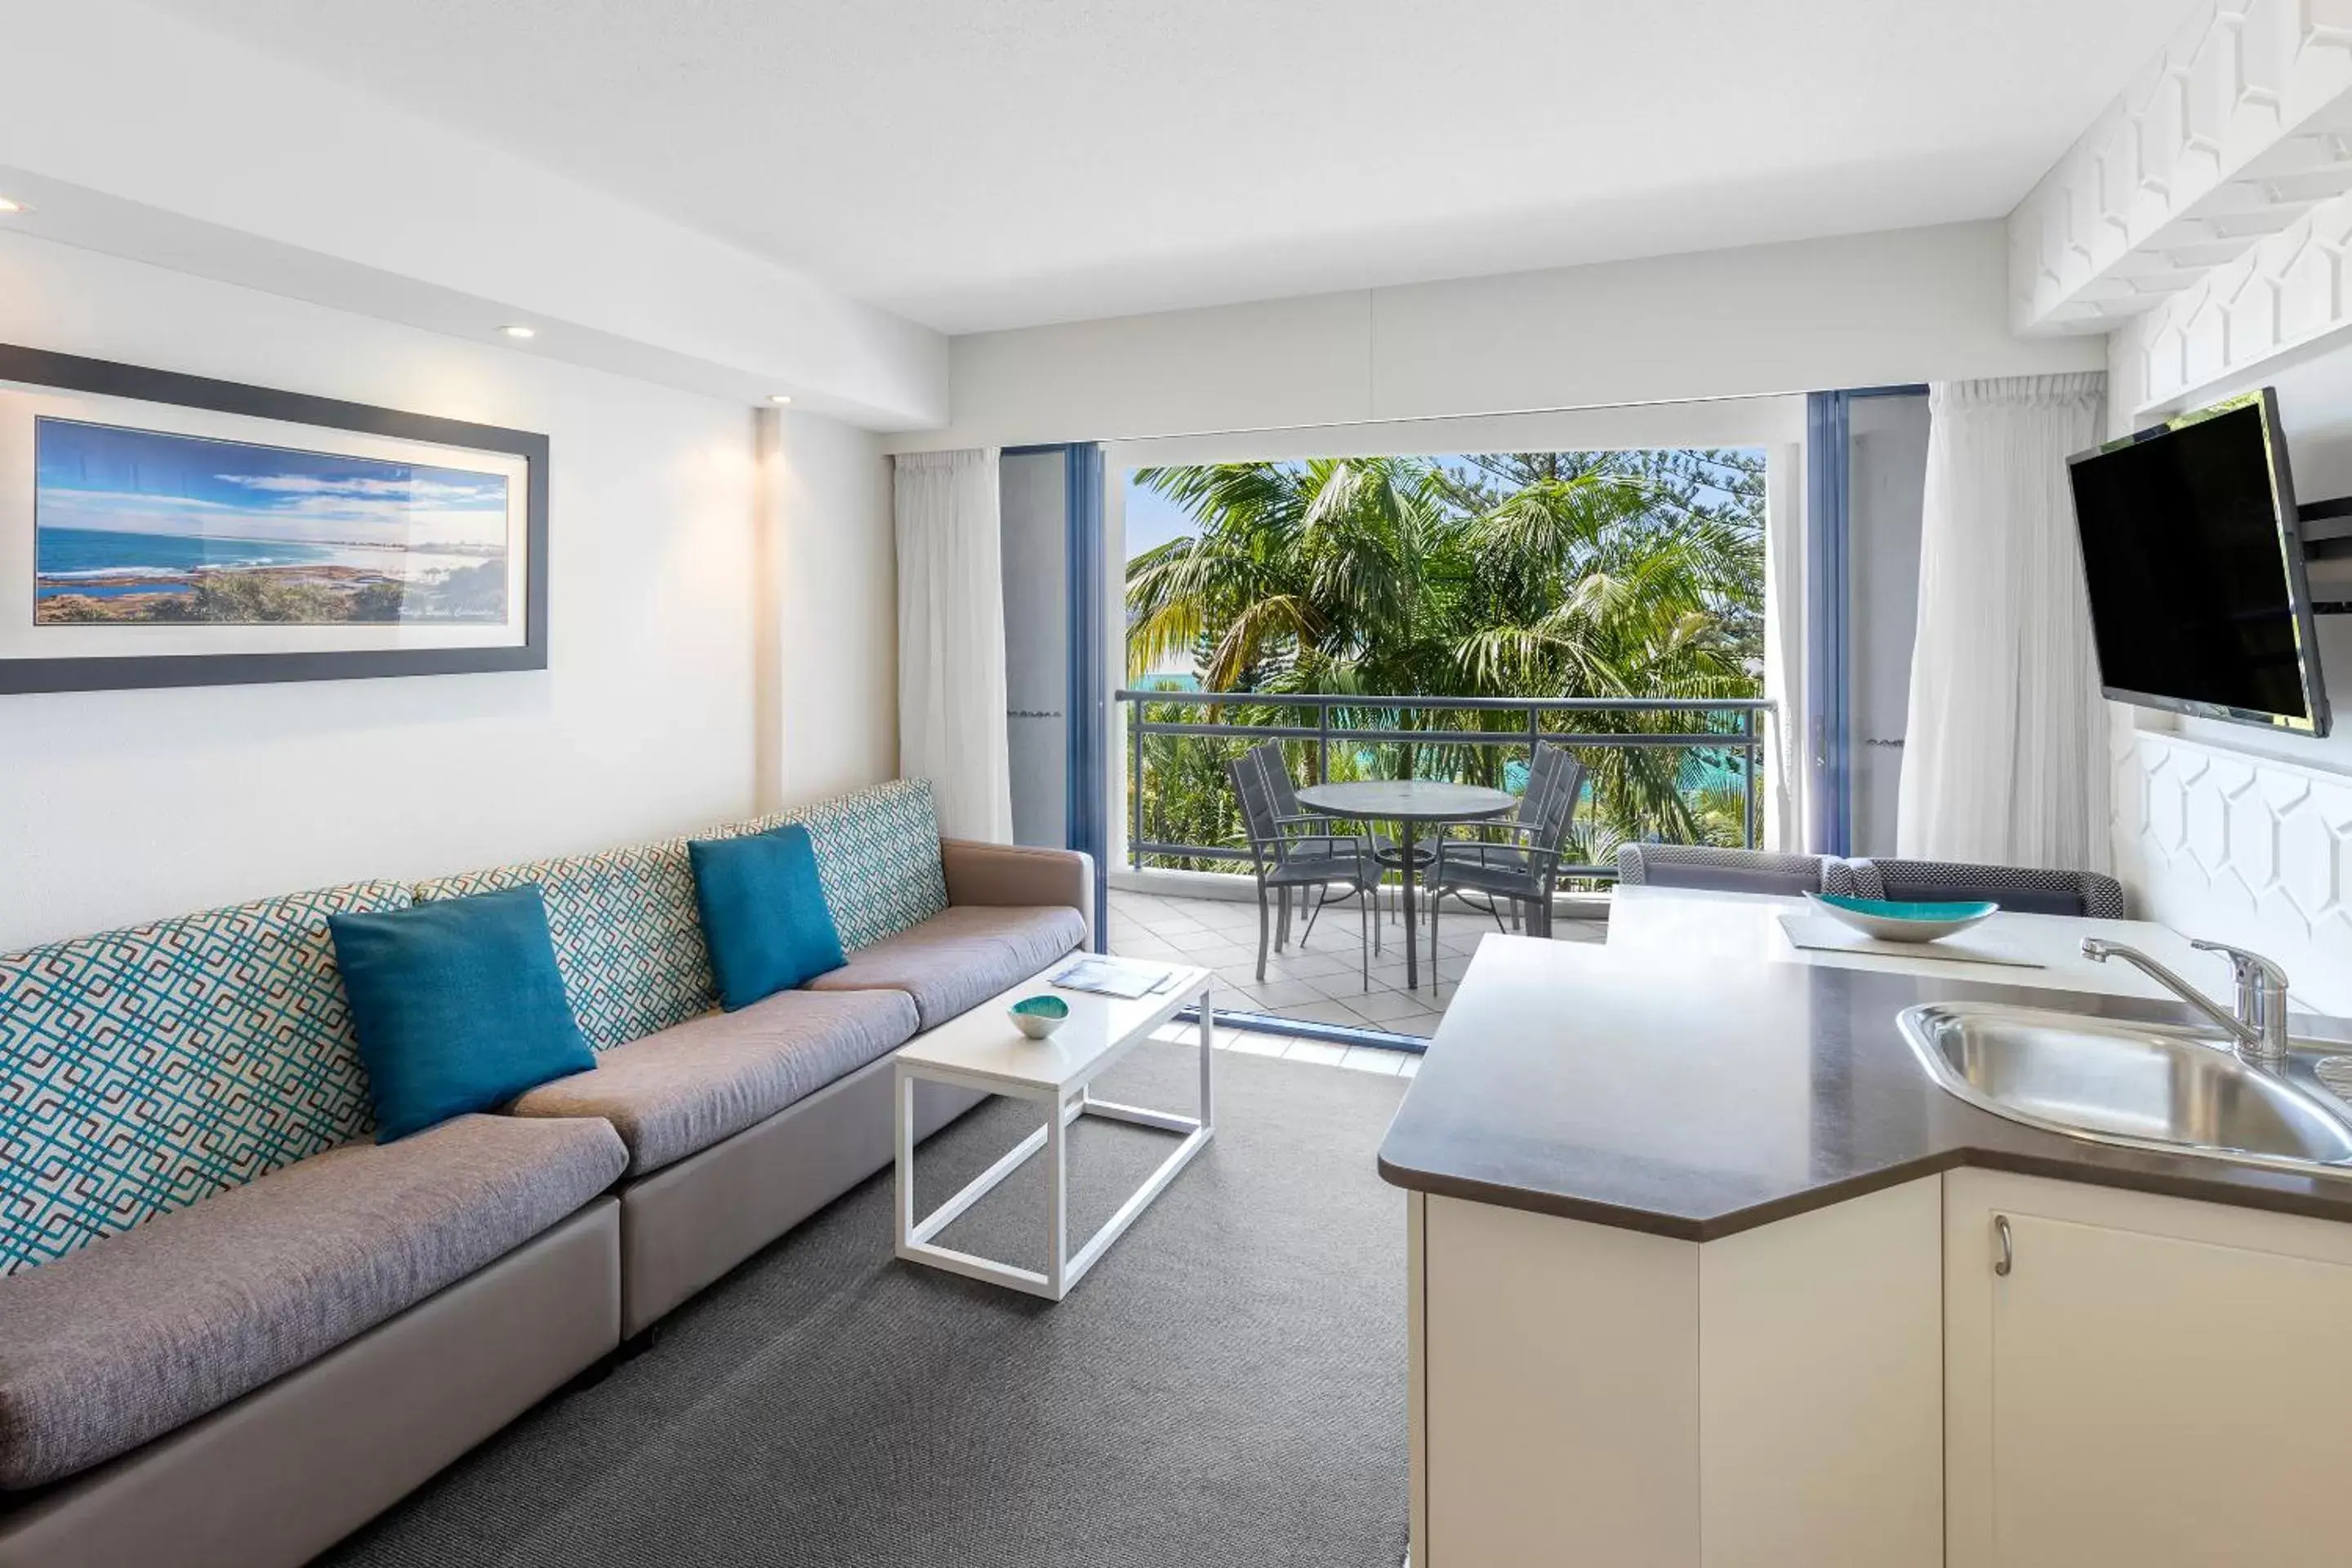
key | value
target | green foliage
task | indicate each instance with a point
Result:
(71, 609)
(1509, 574)
(378, 601)
(296, 597)
(465, 593)
(252, 598)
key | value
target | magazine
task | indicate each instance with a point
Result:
(1115, 977)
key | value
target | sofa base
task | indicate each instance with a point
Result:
(279, 1475)
(686, 1225)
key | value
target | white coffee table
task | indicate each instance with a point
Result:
(982, 1050)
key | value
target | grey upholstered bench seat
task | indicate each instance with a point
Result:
(679, 1091)
(141, 1333)
(961, 956)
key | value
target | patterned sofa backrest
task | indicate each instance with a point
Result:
(877, 854)
(628, 938)
(143, 1070)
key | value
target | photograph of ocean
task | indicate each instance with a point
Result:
(142, 525)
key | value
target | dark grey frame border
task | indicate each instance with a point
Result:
(40, 367)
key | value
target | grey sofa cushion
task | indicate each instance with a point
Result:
(142, 1332)
(961, 956)
(679, 1091)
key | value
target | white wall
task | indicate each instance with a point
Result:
(829, 652)
(2227, 831)
(1705, 422)
(2221, 263)
(116, 806)
(1870, 309)
(2226, 139)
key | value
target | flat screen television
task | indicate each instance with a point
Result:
(2194, 559)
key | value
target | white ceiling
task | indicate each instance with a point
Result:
(986, 163)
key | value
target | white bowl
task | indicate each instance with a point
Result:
(1038, 1016)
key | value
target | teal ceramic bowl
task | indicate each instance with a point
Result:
(1038, 1016)
(1889, 921)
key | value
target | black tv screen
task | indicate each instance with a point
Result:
(2194, 562)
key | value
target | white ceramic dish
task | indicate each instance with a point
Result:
(1038, 1016)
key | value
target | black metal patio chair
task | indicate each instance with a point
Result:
(1283, 857)
(1523, 867)
(1288, 809)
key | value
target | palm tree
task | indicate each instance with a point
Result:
(1330, 572)
(1600, 591)
(1545, 575)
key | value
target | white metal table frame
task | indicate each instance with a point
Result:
(1065, 1102)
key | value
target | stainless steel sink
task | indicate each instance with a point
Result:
(2144, 1085)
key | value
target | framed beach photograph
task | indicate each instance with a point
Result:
(165, 530)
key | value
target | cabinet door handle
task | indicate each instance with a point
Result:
(2002, 1265)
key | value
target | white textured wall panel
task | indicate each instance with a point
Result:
(2242, 848)
(2235, 132)
(2285, 292)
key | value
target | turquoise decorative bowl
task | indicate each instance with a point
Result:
(1038, 1016)
(1889, 921)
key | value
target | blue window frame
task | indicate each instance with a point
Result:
(1829, 722)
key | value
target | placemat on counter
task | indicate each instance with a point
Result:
(1821, 934)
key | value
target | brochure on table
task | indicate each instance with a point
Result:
(1115, 977)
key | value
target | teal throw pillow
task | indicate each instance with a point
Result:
(458, 1005)
(763, 913)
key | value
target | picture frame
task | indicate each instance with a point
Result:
(160, 528)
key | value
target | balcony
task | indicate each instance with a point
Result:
(1657, 769)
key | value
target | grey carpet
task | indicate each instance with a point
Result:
(1225, 1388)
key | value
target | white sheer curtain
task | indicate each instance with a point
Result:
(2005, 760)
(951, 639)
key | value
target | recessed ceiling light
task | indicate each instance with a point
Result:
(8, 207)
(519, 331)
(780, 397)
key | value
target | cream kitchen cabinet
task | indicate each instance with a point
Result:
(1587, 1394)
(2153, 1382)
(2142, 1381)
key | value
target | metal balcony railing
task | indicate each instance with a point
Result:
(1659, 768)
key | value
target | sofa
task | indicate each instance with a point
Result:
(233, 1327)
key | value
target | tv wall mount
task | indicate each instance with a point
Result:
(2331, 541)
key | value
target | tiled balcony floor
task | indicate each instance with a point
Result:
(1322, 982)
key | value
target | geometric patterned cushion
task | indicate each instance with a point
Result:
(629, 933)
(877, 855)
(143, 1070)
(627, 940)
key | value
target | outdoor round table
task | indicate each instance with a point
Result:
(1406, 803)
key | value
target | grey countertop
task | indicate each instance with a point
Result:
(1699, 1100)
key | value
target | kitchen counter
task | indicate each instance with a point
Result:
(1640, 1089)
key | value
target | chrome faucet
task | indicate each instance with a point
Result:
(2259, 1025)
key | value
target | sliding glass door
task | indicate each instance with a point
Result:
(1050, 500)
(1866, 460)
